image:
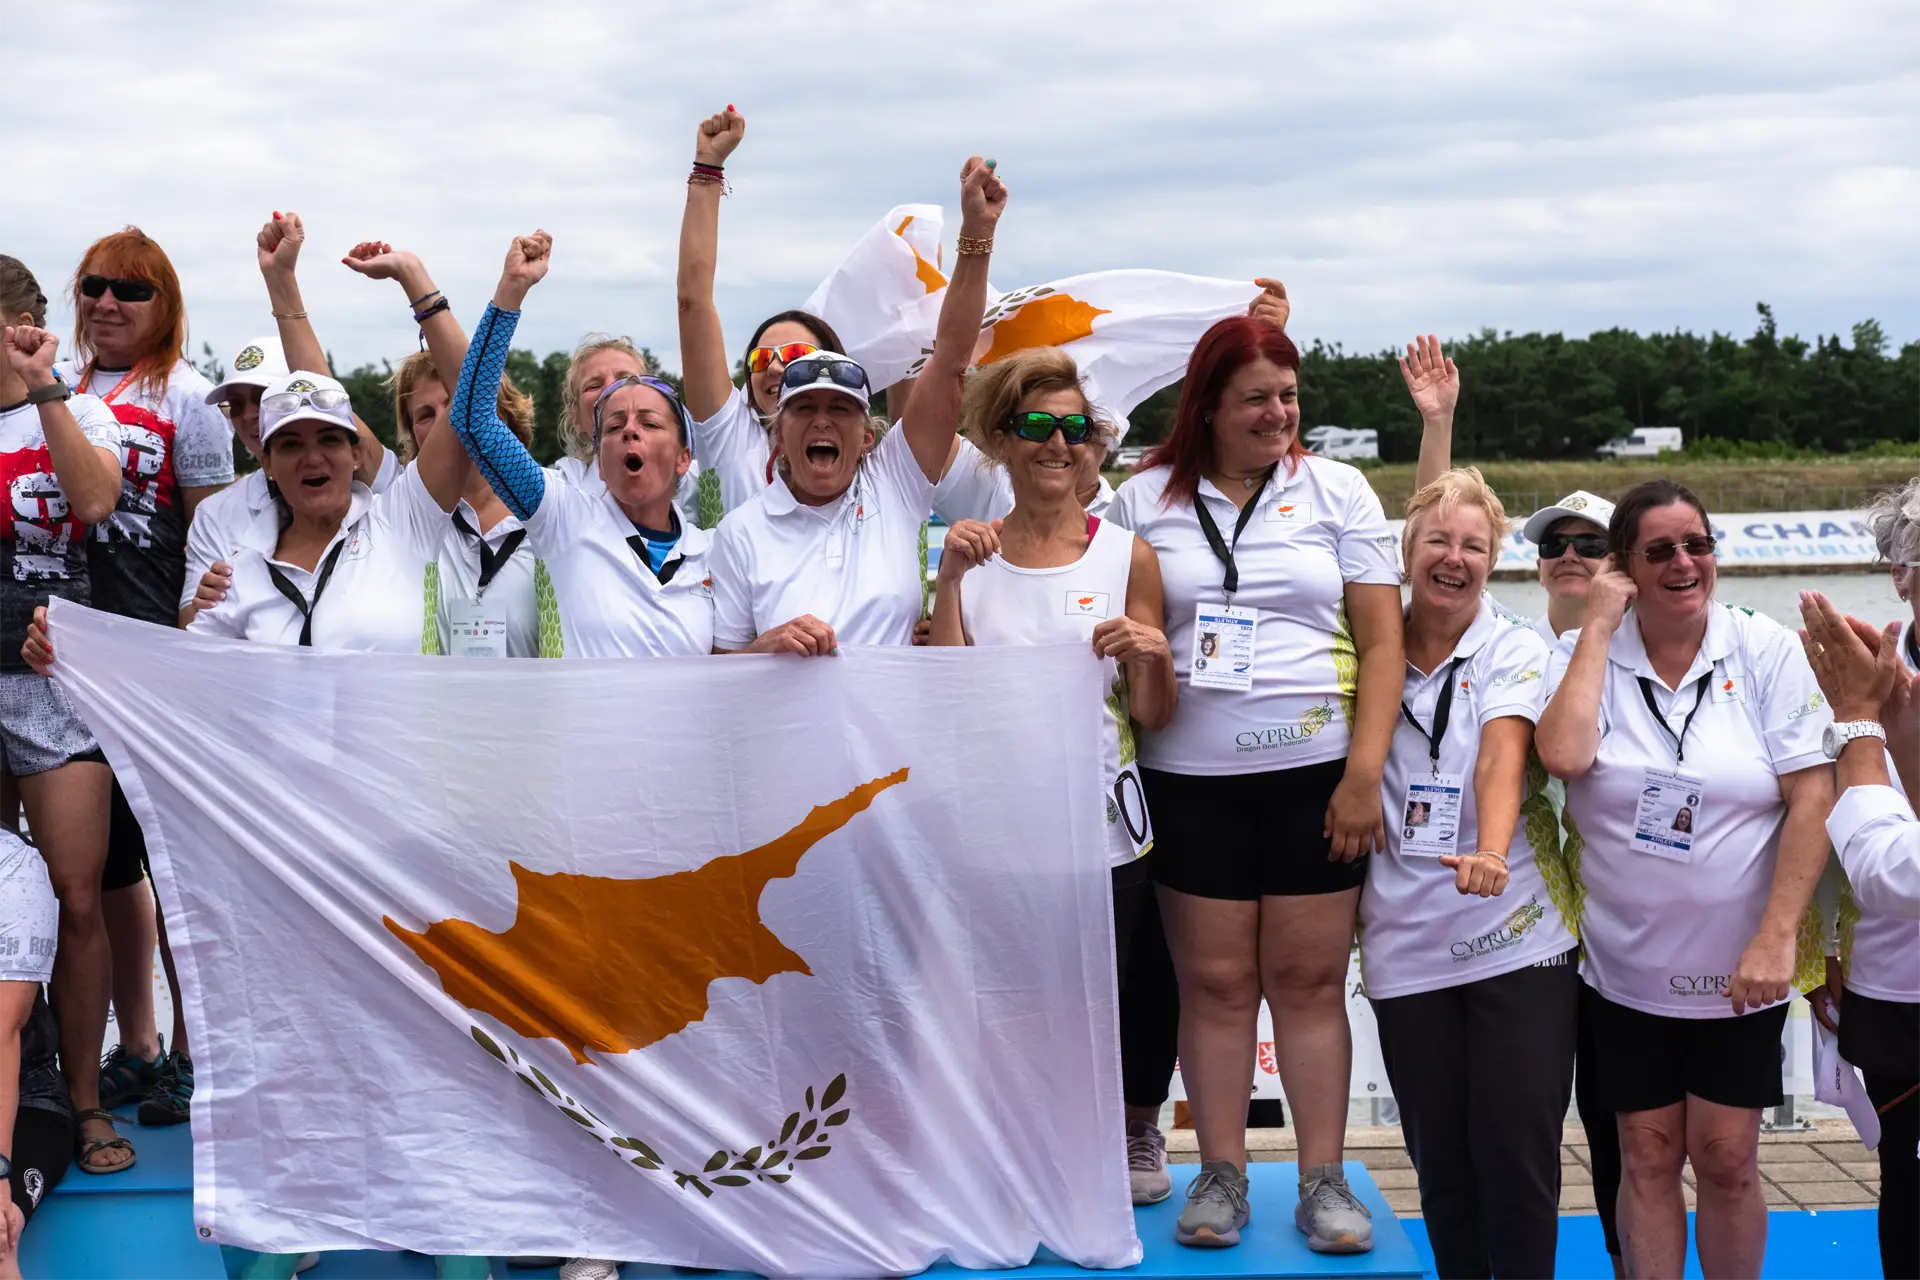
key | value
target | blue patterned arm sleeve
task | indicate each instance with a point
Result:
(511, 471)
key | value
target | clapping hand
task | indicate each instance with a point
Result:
(277, 247)
(1856, 665)
(30, 353)
(1432, 379)
(983, 198)
(718, 135)
(1271, 305)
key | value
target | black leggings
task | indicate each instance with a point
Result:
(42, 1150)
(1899, 1174)
(1603, 1133)
(1149, 1000)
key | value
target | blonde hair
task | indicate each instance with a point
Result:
(576, 437)
(1462, 486)
(514, 405)
(993, 392)
(1894, 517)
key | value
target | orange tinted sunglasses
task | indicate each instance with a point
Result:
(760, 359)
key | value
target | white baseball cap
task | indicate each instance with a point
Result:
(305, 397)
(257, 364)
(826, 371)
(1579, 503)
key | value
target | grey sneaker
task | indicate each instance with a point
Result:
(1216, 1207)
(1147, 1163)
(1333, 1220)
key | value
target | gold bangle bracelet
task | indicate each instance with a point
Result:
(974, 244)
(289, 315)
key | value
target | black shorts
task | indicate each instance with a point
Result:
(126, 845)
(1647, 1061)
(1242, 836)
(42, 1150)
(1881, 1037)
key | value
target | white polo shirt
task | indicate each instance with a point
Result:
(1417, 931)
(1882, 950)
(375, 600)
(734, 443)
(611, 604)
(974, 488)
(1663, 936)
(510, 591)
(222, 519)
(1318, 529)
(853, 563)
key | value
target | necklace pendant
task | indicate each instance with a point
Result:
(1246, 482)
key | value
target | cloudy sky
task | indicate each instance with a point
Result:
(1402, 167)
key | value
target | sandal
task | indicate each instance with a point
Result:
(89, 1147)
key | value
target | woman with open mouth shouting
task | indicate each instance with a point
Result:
(829, 552)
(1667, 701)
(628, 568)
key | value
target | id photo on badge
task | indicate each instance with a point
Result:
(1419, 813)
(1206, 648)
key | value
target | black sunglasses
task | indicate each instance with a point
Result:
(804, 373)
(1038, 427)
(1697, 545)
(1588, 546)
(124, 290)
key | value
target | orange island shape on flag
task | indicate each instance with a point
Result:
(615, 965)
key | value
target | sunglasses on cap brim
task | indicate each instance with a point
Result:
(841, 373)
(325, 399)
(760, 359)
(123, 290)
(1038, 428)
(661, 385)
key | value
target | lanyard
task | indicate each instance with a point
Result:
(1442, 710)
(292, 592)
(491, 561)
(1223, 549)
(1913, 646)
(1679, 739)
(666, 571)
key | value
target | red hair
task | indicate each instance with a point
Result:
(131, 255)
(1231, 345)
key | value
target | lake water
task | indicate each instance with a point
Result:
(1867, 596)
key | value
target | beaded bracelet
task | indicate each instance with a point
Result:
(421, 317)
(974, 244)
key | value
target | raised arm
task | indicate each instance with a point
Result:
(1568, 736)
(933, 411)
(277, 250)
(703, 347)
(446, 340)
(1434, 383)
(510, 470)
(89, 474)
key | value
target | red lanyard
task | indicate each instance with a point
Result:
(118, 387)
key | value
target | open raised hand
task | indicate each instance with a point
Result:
(1432, 378)
(718, 135)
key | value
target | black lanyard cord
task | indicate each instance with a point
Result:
(1442, 712)
(491, 561)
(1679, 739)
(292, 592)
(1221, 547)
(1913, 646)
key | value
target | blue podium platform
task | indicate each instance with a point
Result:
(140, 1224)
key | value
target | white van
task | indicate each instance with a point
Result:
(1343, 444)
(1647, 442)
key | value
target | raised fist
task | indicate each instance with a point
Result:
(983, 198)
(277, 247)
(30, 353)
(718, 135)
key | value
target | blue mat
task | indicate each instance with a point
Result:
(140, 1223)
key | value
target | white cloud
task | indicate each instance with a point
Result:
(1401, 166)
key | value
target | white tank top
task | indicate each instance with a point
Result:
(1002, 605)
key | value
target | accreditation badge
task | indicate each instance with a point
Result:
(478, 631)
(1667, 821)
(1430, 816)
(1223, 646)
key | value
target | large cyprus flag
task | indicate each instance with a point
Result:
(795, 966)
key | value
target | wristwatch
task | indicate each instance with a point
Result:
(55, 390)
(1840, 733)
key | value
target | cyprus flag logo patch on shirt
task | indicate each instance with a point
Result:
(1087, 604)
(1285, 512)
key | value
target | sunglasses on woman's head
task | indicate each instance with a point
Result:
(123, 290)
(661, 385)
(842, 372)
(760, 359)
(1697, 545)
(1588, 546)
(1038, 427)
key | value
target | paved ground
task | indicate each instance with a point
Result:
(1822, 1168)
